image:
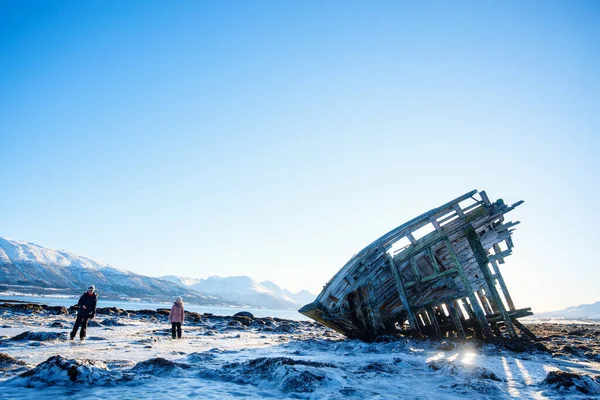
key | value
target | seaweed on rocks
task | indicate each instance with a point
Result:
(58, 370)
(568, 381)
(289, 375)
(9, 363)
(246, 321)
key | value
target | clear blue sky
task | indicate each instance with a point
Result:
(277, 138)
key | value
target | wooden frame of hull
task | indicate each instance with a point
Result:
(444, 281)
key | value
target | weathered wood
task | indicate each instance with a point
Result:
(485, 198)
(436, 225)
(500, 279)
(460, 330)
(436, 267)
(375, 290)
(415, 268)
(483, 301)
(479, 314)
(403, 298)
(524, 329)
(482, 261)
(434, 322)
(411, 238)
(459, 211)
(490, 301)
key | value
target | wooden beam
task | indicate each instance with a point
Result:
(373, 310)
(523, 329)
(460, 330)
(498, 252)
(479, 314)
(498, 276)
(486, 306)
(436, 225)
(491, 302)
(459, 211)
(485, 198)
(434, 321)
(412, 320)
(411, 238)
(415, 268)
(436, 267)
(482, 261)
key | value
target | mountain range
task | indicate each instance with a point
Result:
(246, 290)
(32, 269)
(582, 311)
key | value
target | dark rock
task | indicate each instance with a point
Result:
(578, 332)
(58, 370)
(201, 357)
(147, 313)
(566, 381)
(39, 336)
(111, 311)
(478, 386)
(453, 368)
(159, 367)
(569, 349)
(193, 316)
(302, 382)
(234, 324)
(58, 310)
(28, 307)
(263, 366)
(244, 314)
(379, 367)
(246, 321)
(112, 322)
(6, 359)
(285, 328)
(446, 346)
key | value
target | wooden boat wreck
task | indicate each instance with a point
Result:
(436, 275)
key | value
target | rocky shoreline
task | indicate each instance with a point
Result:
(281, 357)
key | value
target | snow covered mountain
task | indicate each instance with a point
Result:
(30, 268)
(248, 291)
(589, 311)
(180, 280)
(302, 297)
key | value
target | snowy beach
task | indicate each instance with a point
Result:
(129, 354)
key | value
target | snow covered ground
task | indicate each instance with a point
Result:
(130, 355)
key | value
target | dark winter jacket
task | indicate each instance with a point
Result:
(89, 300)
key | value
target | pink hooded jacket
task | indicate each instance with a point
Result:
(177, 314)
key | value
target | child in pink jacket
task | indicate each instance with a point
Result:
(176, 317)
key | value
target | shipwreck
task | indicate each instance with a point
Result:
(436, 275)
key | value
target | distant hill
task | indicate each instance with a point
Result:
(587, 311)
(33, 269)
(248, 291)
